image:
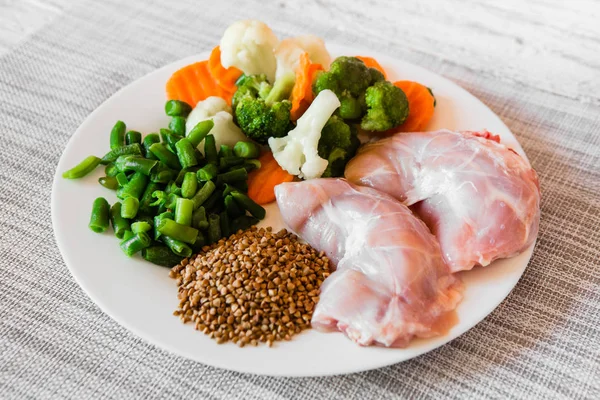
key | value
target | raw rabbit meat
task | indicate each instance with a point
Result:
(391, 283)
(480, 198)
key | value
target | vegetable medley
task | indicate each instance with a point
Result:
(257, 113)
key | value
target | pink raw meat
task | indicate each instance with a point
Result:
(480, 198)
(391, 283)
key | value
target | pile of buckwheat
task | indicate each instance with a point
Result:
(255, 286)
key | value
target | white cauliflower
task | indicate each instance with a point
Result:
(297, 152)
(224, 130)
(249, 45)
(289, 50)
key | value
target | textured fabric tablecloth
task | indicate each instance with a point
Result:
(543, 341)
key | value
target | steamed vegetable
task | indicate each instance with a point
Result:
(262, 182)
(421, 106)
(387, 107)
(289, 51)
(261, 110)
(372, 63)
(302, 94)
(224, 77)
(337, 145)
(193, 83)
(297, 152)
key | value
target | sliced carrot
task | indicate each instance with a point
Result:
(224, 77)
(194, 83)
(302, 94)
(372, 63)
(262, 182)
(421, 105)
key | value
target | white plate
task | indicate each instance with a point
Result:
(141, 296)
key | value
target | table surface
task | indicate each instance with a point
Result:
(536, 64)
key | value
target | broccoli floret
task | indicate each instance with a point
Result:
(387, 107)
(261, 110)
(338, 144)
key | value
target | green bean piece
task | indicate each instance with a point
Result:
(132, 137)
(109, 182)
(186, 234)
(207, 173)
(181, 174)
(132, 149)
(149, 140)
(199, 132)
(242, 223)
(213, 203)
(161, 198)
(199, 243)
(199, 220)
(145, 202)
(225, 151)
(140, 226)
(136, 243)
(119, 224)
(203, 194)
(224, 222)
(121, 179)
(189, 186)
(170, 138)
(227, 189)
(246, 150)
(157, 220)
(130, 207)
(210, 150)
(111, 170)
(135, 187)
(177, 108)
(248, 204)
(199, 157)
(183, 211)
(232, 208)
(235, 175)
(161, 255)
(167, 157)
(136, 164)
(229, 162)
(177, 125)
(185, 153)
(128, 235)
(251, 165)
(117, 135)
(177, 246)
(83, 168)
(162, 173)
(173, 188)
(171, 202)
(99, 219)
(214, 228)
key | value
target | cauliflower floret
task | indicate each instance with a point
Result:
(289, 50)
(248, 45)
(224, 130)
(297, 152)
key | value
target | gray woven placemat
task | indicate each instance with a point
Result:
(543, 341)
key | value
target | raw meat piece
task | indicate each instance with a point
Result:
(480, 198)
(391, 283)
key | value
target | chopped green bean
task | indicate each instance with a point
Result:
(251, 165)
(117, 135)
(246, 150)
(177, 125)
(127, 235)
(136, 243)
(177, 108)
(177, 246)
(242, 223)
(199, 220)
(140, 226)
(166, 156)
(130, 207)
(122, 179)
(183, 211)
(214, 228)
(172, 188)
(225, 151)
(111, 170)
(132, 137)
(157, 220)
(185, 153)
(248, 204)
(210, 150)
(162, 173)
(232, 208)
(132, 149)
(161, 198)
(199, 132)
(203, 194)
(149, 140)
(186, 234)
(119, 224)
(82, 169)
(109, 182)
(213, 200)
(146, 200)
(228, 162)
(189, 186)
(99, 219)
(181, 174)
(235, 175)
(171, 202)
(207, 173)
(170, 138)
(135, 187)
(224, 222)
(161, 255)
(135, 163)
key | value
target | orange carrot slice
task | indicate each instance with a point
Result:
(194, 83)
(302, 94)
(372, 63)
(421, 105)
(224, 77)
(262, 182)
